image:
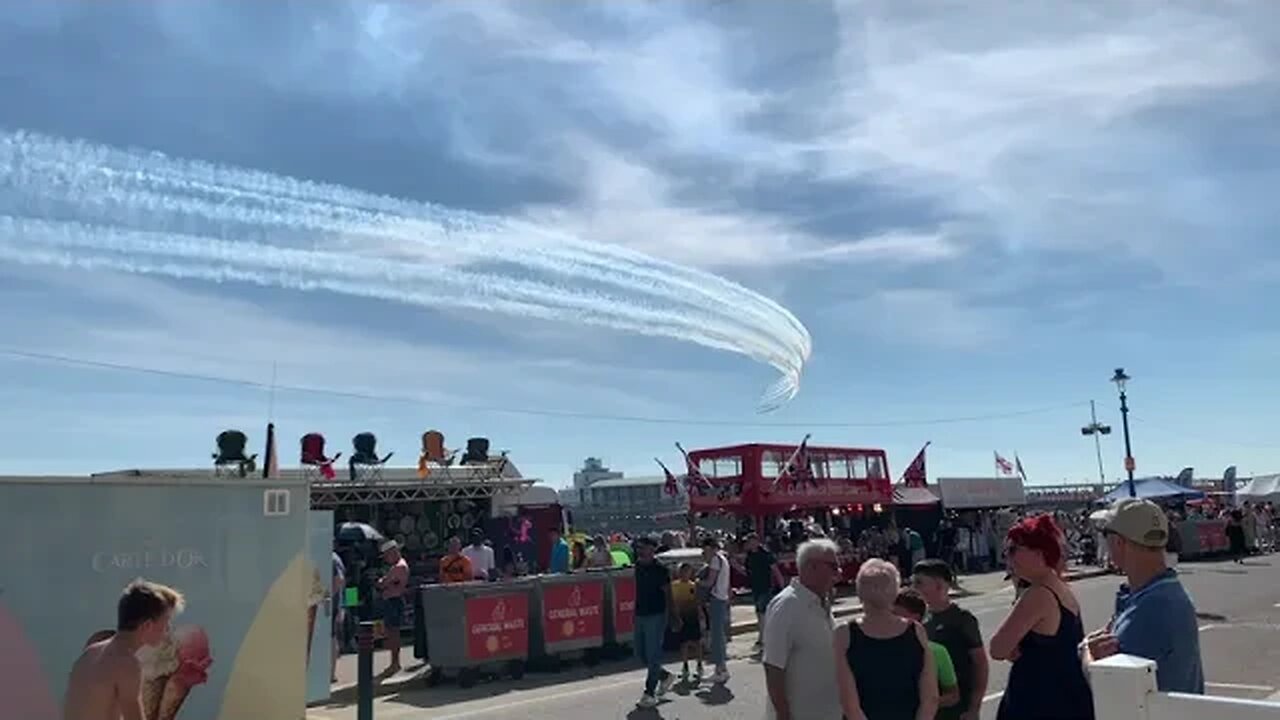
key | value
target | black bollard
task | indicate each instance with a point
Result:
(364, 671)
(419, 628)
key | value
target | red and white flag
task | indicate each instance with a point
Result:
(671, 486)
(797, 469)
(1004, 466)
(693, 477)
(914, 475)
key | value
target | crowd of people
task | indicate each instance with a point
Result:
(914, 654)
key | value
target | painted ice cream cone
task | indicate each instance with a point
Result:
(311, 629)
(316, 596)
(158, 664)
(152, 692)
(175, 693)
(193, 662)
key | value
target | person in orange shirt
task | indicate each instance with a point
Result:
(455, 567)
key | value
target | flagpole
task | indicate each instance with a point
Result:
(795, 454)
(1097, 443)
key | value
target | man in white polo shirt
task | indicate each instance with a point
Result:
(717, 585)
(799, 670)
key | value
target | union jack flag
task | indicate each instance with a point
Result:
(798, 469)
(914, 475)
(693, 477)
(671, 486)
(1004, 466)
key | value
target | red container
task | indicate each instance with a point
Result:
(573, 614)
(624, 605)
(497, 627)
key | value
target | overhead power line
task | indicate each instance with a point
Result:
(535, 412)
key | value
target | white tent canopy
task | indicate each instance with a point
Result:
(1262, 488)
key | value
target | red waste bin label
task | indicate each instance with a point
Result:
(573, 611)
(497, 625)
(1213, 535)
(624, 604)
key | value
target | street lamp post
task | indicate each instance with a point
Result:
(1121, 380)
(1097, 430)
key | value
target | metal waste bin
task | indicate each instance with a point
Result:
(620, 611)
(568, 612)
(477, 625)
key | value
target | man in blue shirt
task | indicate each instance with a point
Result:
(1154, 616)
(559, 562)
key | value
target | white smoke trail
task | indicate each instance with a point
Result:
(75, 204)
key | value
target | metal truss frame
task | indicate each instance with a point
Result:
(333, 494)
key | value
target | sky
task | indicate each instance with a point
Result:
(977, 211)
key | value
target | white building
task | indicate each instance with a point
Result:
(604, 499)
(593, 471)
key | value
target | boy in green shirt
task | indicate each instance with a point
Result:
(911, 605)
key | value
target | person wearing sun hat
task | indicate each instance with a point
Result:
(393, 586)
(1154, 617)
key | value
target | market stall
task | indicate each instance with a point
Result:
(1199, 536)
(984, 508)
(1260, 489)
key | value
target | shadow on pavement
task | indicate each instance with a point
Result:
(715, 695)
(417, 693)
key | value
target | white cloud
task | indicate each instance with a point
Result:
(1017, 129)
(1017, 116)
(665, 75)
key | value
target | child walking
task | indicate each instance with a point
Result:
(684, 591)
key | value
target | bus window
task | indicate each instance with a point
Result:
(874, 469)
(818, 465)
(838, 467)
(858, 467)
(726, 467)
(771, 463)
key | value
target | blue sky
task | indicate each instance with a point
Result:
(975, 210)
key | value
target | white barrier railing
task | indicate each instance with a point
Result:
(1124, 688)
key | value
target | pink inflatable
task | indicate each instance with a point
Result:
(23, 684)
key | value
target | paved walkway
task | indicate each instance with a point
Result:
(609, 691)
(742, 616)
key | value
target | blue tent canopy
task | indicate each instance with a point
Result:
(1152, 488)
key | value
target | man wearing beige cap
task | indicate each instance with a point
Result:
(1154, 616)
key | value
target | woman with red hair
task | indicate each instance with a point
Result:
(1041, 635)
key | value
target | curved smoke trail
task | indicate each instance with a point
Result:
(76, 204)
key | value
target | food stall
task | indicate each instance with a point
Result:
(1200, 536)
(421, 508)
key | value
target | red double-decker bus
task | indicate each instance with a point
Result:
(744, 479)
(744, 483)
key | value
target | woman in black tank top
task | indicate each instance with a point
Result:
(1042, 633)
(885, 669)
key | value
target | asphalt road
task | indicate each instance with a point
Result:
(1240, 644)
